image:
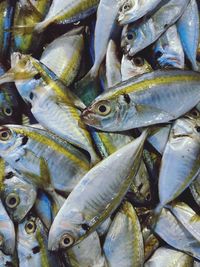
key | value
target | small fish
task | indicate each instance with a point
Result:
(87, 253)
(124, 235)
(37, 154)
(27, 13)
(132, 10)
(167, 257)
(195, 189)
(50, 100)
(18, 196)
(7, 232)
(69, 11)
(168, 50)
(99, 196)
(32, 244)
(133, 66)
(63, 55)
(103, 228)
(148, 99)
(188, 29)
(139, 35)
(180, 161)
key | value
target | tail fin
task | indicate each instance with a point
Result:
(9, 76)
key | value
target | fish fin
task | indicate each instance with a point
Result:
(7, 77)
(41, 26)
(88, 88)
(25, 120)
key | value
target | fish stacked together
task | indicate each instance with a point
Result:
(99, 133)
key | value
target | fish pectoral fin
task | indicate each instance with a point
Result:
(142, 108)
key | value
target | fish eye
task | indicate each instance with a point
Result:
(12, 200)
(7, 111)
(5, 134)
(198, 129)
(103, 108)
(126, 7)
(130, 36)
(66, 241)
(138, 61)
(30, 227)
(195, 113)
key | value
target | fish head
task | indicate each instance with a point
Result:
(105, 114)
(18, 195)
(8, 139)
(128, 10)
(132, 40)
(66, 230)
(132, 66)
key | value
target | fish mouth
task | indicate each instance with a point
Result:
(88, 118)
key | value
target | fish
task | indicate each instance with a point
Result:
(87, 253)
(63, 55)
(31, 244)
(180, 160)
(188, 29)
(151, 242)
(138, 36)
(132, 10)
(18, 196)
(8, 260)
(67, 12)
(27, 13)
(148, 99)
(164, 257)
(195, 189)
(7, 232)
(133, 66)
(124, 235)
(43, 90)
(99, 197)
(36, 153)
(103, 228)
(168, 50)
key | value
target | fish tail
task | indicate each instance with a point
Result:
(7, 77)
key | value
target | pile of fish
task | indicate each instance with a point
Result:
(99, 133)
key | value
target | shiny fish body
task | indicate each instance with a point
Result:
(195, 189)
(176, 235)
(28, 13)
(31, 244)
(36, 154)
(168, 50)
(97, 201)
(188, 28)
(113, 72)
(131, 67)
(7, 260)
(68, 11)
(53, 105)
(140, 35)
(187, 217)
(166, 257)
(43, 209)
(7, 232)
(180, 161)
(18, 195)
(87, 253)
(124, 235)
(63, 56)
(132, 10)
(149, 99)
